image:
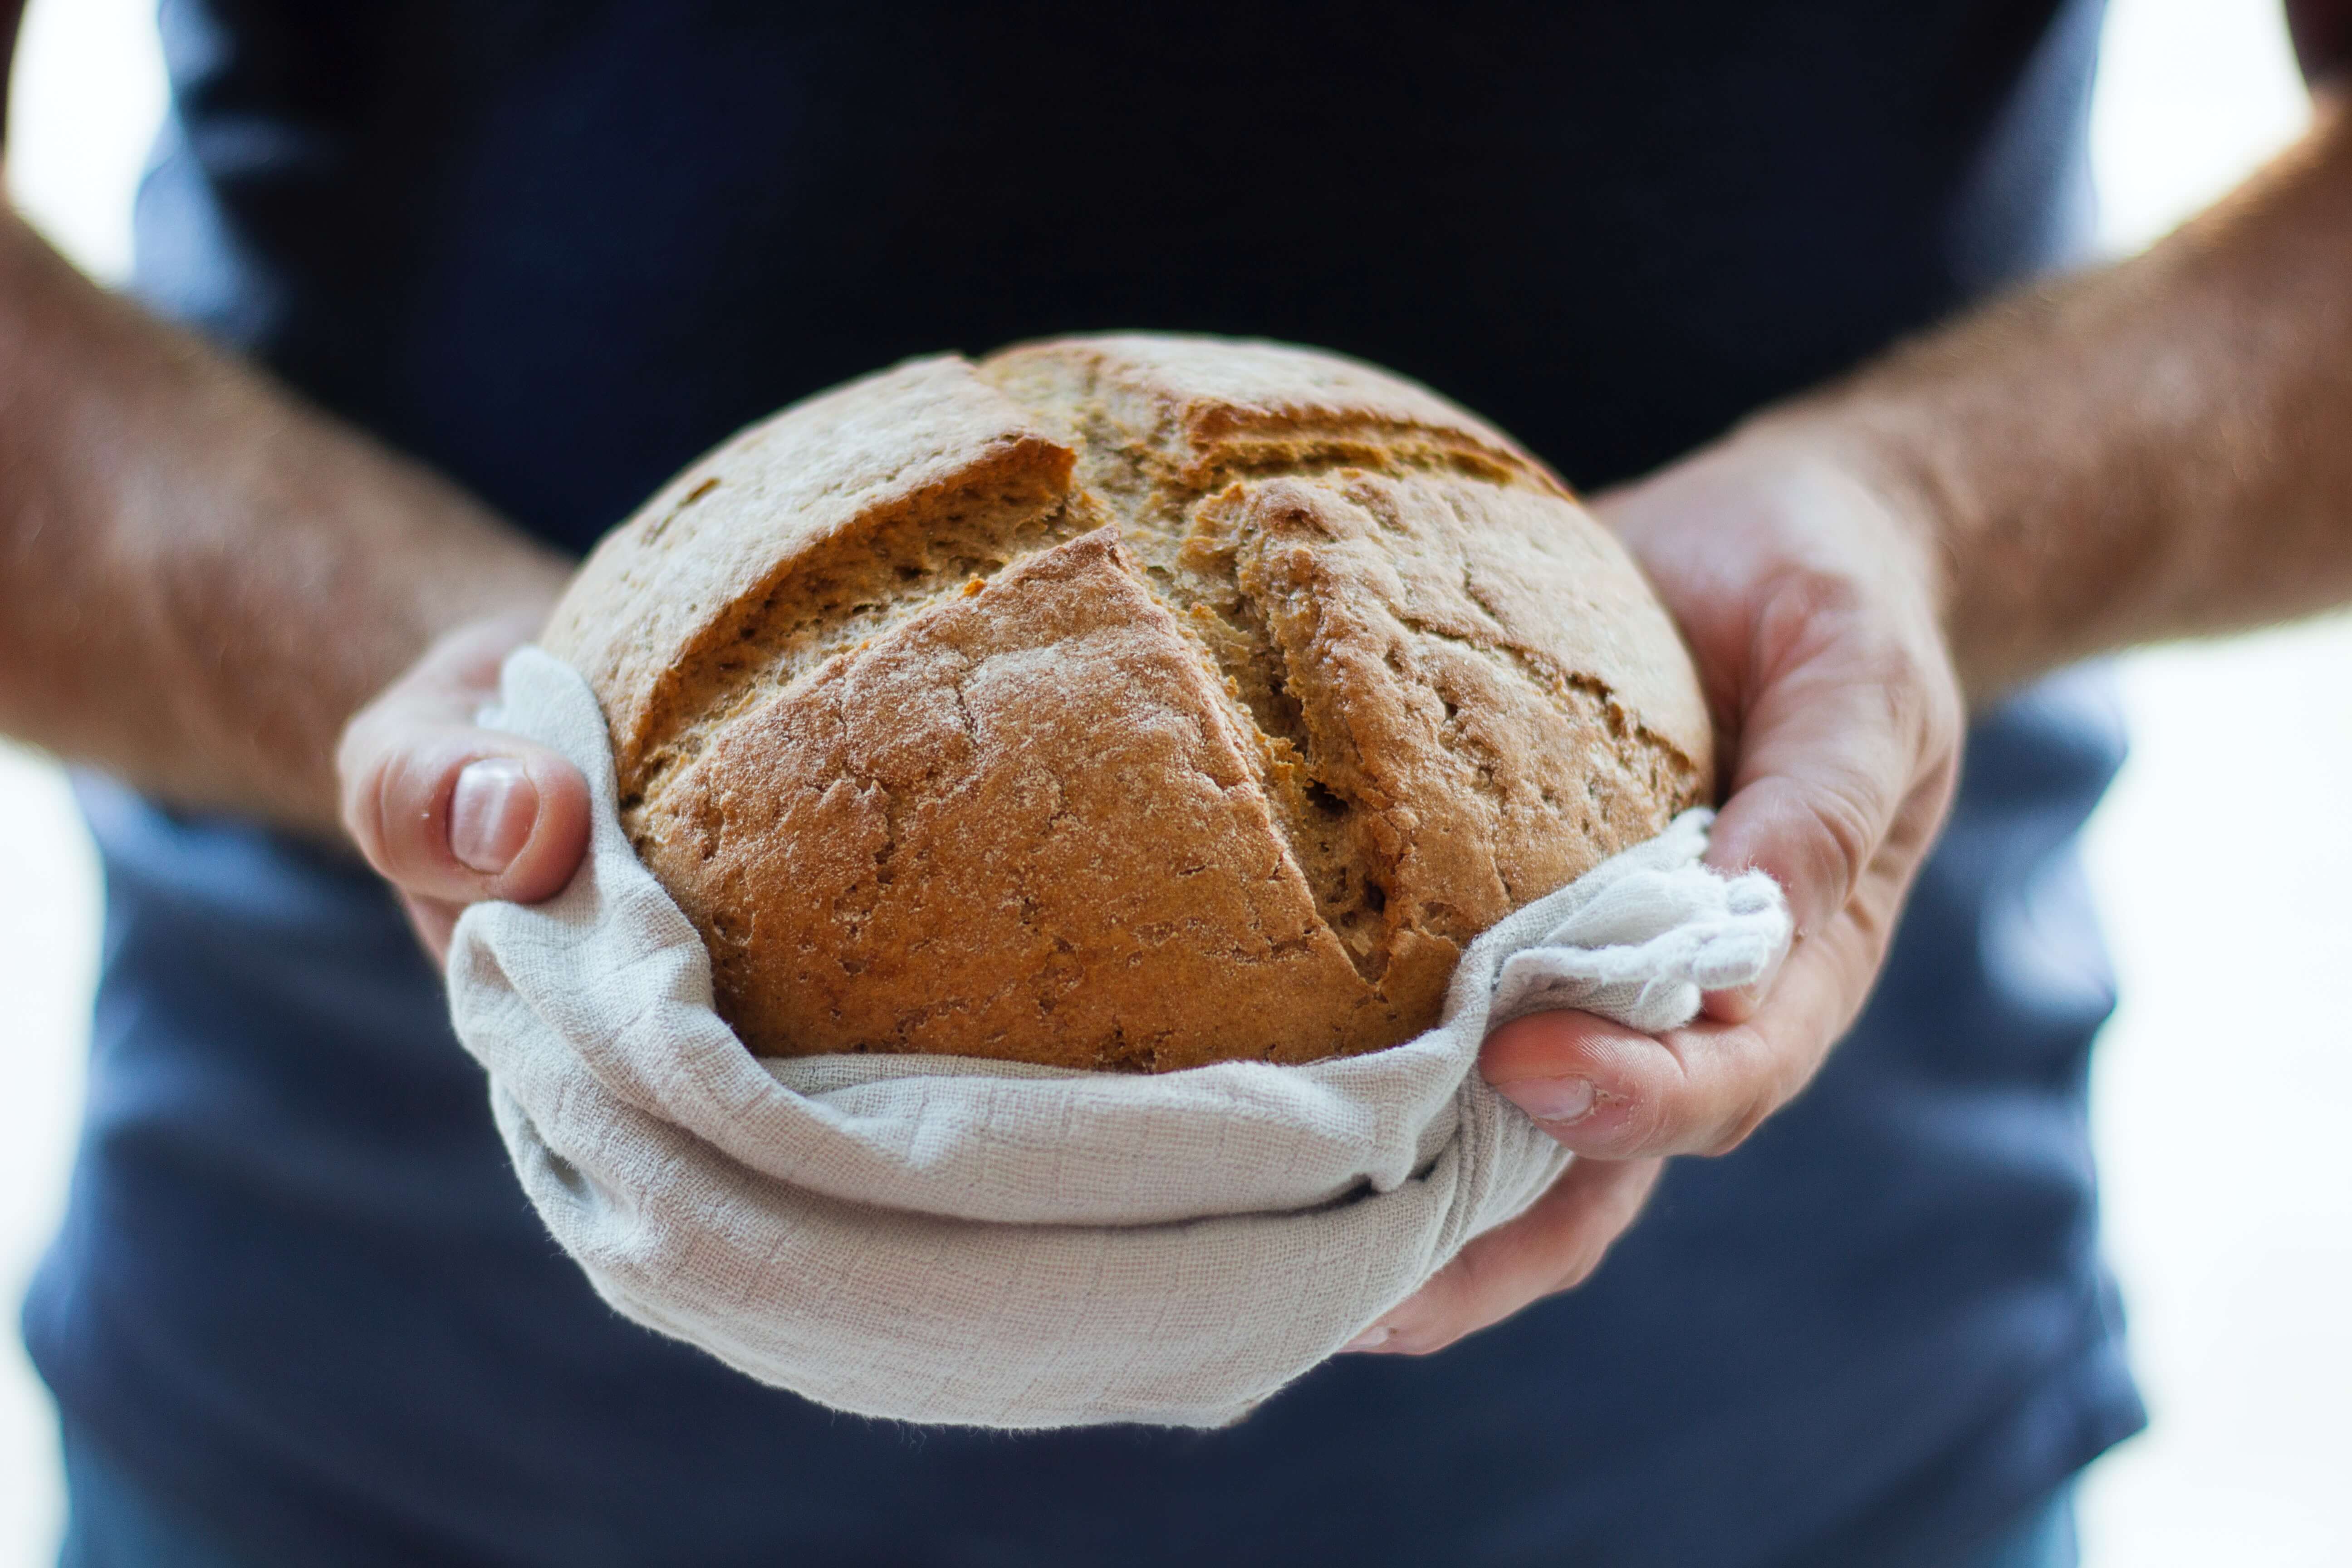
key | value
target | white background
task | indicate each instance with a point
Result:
(2222, 1108)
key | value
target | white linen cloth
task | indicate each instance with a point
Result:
(945, 1240)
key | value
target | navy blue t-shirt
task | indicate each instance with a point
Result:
(556, 248)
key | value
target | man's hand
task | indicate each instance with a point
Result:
(450, 813)
(1811, 604)
(2151, 450)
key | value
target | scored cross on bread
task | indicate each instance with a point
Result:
(1127, 702)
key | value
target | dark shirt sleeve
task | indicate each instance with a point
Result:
(2323, 36)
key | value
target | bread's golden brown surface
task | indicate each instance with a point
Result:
(1127, 703)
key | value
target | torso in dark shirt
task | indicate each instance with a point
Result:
(558, 249)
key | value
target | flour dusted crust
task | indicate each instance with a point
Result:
(1129, 702)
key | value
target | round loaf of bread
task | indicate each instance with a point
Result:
(1122, 702)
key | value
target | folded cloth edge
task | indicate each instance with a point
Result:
(624, 1102)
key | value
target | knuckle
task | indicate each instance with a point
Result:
(1946, 709)
(359, 753)
(1841, 830)
(1771, 1072)
(1793, 1068)
(1583, 1260)
(1815, 591)
(1924, 702)
(1743, 1122)
(363, 811)
(1648, 1117)
(1804, 609)
(1809, 611)
(1748, 1091)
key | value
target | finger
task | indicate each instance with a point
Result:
(1609, 1091)
(450, 812)
(460, 814)
(1846, 726)
(1846, 771)
(1739, 1004)
(1552, 1246)
(1606, 1091)
(463, 666)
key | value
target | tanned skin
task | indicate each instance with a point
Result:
(2195, 475)
(203, 582)
(205, 576)
(202, 577)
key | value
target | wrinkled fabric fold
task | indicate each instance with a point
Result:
(953, 1241)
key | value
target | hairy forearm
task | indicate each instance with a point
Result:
(2153, 449)
(200, 578)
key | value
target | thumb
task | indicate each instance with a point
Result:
(450, 812)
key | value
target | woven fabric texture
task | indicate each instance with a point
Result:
(953, 1241)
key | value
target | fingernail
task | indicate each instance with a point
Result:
(490, 813)
(1551, 1098)
(1372, 1339)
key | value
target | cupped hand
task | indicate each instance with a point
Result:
(1808, 590)
(449, 812)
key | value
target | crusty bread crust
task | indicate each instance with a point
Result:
(1128, 703)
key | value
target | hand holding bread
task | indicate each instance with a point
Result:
(1811, 598)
